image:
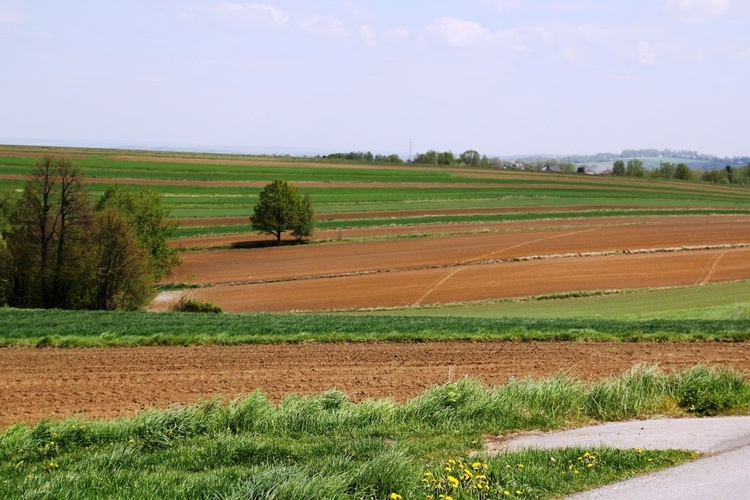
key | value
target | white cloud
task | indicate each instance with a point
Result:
(325, 26)
(466, 34)
(396, 34)
(369, 35)
(459, 33)
(254, 13)
(644, 54)
(698, 10)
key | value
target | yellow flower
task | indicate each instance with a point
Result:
(453, 481)
(131, 440)
(589, 465)
(476, 465)
(576, 472)
(518, 492)
(520, 466)
(506, 493)
(395, 496)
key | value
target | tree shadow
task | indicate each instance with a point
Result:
(267, 243)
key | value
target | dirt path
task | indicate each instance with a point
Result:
(38, 383)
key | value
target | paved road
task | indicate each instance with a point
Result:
(724, 473)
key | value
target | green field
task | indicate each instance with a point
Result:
(102, 328)
(464, 188)
(718, 301)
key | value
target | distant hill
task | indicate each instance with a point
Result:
(651, 158)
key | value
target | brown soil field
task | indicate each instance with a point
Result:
(617, 254)
(39, 383)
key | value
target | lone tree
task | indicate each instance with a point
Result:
(280, 209)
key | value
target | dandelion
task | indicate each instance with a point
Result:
(520, 466)
(131, 440)
(589, 465)
(518, 492)
(476, 465)
(453, 481)
(395, 496)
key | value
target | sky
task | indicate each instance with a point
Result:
(503, 77)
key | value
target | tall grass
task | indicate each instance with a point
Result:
(326, 446)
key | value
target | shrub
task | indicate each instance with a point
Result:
(195, 306)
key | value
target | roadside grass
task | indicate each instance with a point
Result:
(326, 446)
(715, 301)
(40, 328)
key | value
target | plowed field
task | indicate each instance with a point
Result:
(38, 383)
(510, 260)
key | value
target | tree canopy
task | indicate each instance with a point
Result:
(57, 250)
(282, 209)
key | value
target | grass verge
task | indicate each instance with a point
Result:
(326, 446)
(28, 327)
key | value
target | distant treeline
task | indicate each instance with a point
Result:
(680, 171)
(713, 160)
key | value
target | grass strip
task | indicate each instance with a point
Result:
(326, 446)
(106, 328)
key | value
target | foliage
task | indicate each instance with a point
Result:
(365, 157)
(59, 253)
(305, 225)
(470, 157)
(188, 305)
(47, 240)
(327, 446)
(121, 275)
(683, 172)
(282, 209)
(635, 168)
(145, 214)
(618, 168)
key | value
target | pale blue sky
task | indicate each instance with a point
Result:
(505, 77)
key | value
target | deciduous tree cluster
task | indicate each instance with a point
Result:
(58, 250)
